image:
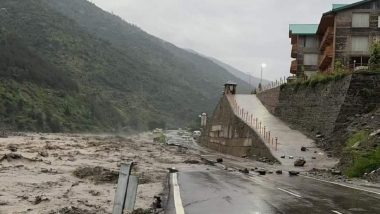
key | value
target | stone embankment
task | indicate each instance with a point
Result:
(324, 108)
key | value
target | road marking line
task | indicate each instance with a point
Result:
(294, 194)
(336, 212)
(343, 185)
(177, 195)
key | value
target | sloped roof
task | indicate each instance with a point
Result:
(303, 29)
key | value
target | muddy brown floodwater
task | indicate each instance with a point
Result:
(77, 173)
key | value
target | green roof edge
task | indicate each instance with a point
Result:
(303, 29)
(347, 6)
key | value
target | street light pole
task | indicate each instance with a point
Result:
(263, 65)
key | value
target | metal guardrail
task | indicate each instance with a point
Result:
(271, 85)
(126, 191)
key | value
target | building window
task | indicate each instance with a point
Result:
(359, 44)
(360, 20)
(311, 42)
(310, 59)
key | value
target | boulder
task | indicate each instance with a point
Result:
(293, 173)
(377, 132)
(299, 162)
(262, 172)
(336, 172)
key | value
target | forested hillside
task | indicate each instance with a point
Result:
(67, 65)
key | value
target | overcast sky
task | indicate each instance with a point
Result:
(242, 33)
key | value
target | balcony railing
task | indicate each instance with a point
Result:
(326, 58)
(294, 51)
(327, 39)
(293, 67)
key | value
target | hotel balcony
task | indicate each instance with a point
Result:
(293, 67)
(326, 58)
(294, 51)
(327, 39)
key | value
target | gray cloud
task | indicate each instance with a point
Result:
(242, 33)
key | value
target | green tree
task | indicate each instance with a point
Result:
(374, 59)
(339, 67)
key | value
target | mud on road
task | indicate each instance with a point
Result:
(72, 173)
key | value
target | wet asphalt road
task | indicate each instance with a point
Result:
(221, 192)
(212, 190)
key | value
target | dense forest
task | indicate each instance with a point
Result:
(67, 65)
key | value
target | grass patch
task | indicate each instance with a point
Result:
(364, 163)
(359, 137)
(363, 160)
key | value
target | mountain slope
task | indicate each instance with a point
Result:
(108, 74)
(254, 81)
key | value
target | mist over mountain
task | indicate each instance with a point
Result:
(67, 65)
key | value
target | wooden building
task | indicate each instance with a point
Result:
(344, 34)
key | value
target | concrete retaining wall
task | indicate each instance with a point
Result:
(228, 134)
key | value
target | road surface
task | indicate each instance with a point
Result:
(209, 189)
(290, 140)
(221, 192)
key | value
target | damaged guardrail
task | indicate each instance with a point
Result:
(126, 191)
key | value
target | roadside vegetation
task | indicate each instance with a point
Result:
(361, 147)
(320, 78)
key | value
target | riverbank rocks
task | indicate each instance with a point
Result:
(12, 147)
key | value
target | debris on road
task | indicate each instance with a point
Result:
(245, 171)
(191, 161)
